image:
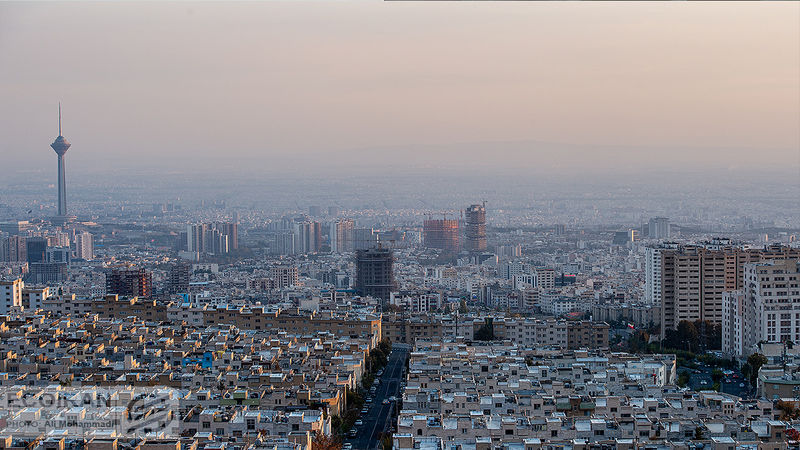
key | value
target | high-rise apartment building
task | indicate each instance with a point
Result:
(775, 290)
(341, 235)
(283, 243)
(738, 324)
(766, 308)
(178, 278)
(216, 241)
(441, 234)
(652, 273)
(652, 265)
(13, 249)
(231, 230)
(284, 276)
(195, 237)
(658, 228)
(695, 277)
(544, 278)
(375, 273)
(475, 228)
(211, 238)
(307, 236)
(84, 245)
(59, 239)
(131, 282)
(11, 295)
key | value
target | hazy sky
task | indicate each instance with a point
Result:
(620, 84)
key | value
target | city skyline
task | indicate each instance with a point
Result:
(381, 225)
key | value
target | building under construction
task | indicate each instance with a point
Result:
(441, 234)
(475, 228)
(375, 273)
(130, 282)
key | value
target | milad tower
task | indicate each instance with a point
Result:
(61, 145)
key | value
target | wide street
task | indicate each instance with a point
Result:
(379, 417)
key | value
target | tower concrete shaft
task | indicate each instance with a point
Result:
(62, 187)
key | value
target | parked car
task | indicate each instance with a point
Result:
(358, 423)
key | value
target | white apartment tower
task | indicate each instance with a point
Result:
(775, 290)
(652, 291)
(738, 321)
(11, 295)
(84, 245)
(766, 309)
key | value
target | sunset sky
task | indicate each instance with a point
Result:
(313, 81)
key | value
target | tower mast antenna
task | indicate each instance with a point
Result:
(59, 119)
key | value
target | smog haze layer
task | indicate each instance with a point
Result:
(336, 89)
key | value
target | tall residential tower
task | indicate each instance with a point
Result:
(658, 228)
